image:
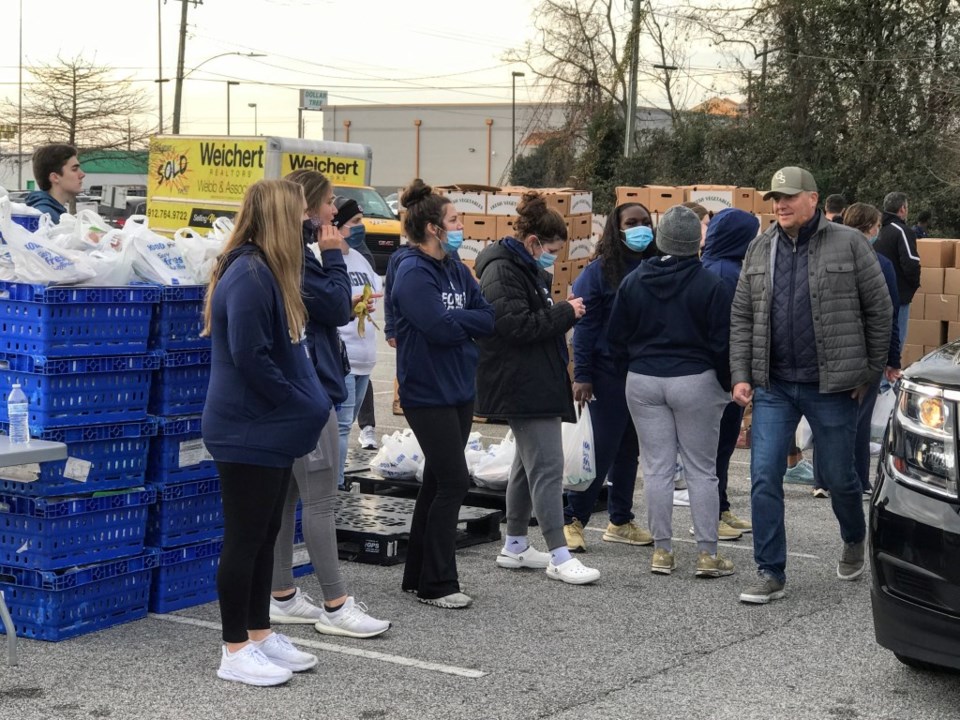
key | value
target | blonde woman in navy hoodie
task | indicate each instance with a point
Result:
(265, 407)
(438, 311)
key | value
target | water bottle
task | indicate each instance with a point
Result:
(18, 413)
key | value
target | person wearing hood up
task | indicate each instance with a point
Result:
(730, 233)
(671, 325)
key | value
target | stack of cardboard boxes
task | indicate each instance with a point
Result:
(934, 312)
(660, 198)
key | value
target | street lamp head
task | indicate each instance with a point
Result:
(517, 74)
(252, 105)
(233, 82)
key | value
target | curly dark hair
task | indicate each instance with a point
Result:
(611, 250)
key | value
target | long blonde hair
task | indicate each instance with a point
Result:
(271, 218)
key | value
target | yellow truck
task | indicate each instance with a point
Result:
(194, 179)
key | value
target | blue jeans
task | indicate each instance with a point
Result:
(902, 319)
(347, 414)
(833, 419)
(616, 454)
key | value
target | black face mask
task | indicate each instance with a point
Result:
(309, 232)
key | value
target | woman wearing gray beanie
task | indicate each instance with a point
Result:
(670, 325)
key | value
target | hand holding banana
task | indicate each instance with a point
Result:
(364, 305)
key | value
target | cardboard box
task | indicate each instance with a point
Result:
(743, 199)
(767, 220)
(917, 305)
(633, 194)
(953, 331)
(577, 267)
(761, 206)
(713, 197)
(925, 332)
(599, 223)
(663, 197)
(935, 252)
(559, 201)
(927, 349)
(931, 280)
(505, 225)
(470, 249)
(951, 281)
(578, 227)
(940, 307)
(479, 227)
(502, 204)
(468, 202)
(581, 203)
(910, 354)
(581, 249)
(561, 275)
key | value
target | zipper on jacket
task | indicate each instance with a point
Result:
(790, 308)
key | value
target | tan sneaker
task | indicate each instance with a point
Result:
(726, 532)
(736, 523)
(629, 533)
(663, 562)
(712, 566)
(573, 533)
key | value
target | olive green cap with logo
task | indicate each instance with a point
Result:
(791, 181)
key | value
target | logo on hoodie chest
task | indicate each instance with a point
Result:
(454, 300)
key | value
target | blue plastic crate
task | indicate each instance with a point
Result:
(179, 387)
(56, 533)
(77, 391)
(61, 321)
(117, 453)
(186, 513)
(178, 319)
(59, 605)
(185, 577)
(177, 453)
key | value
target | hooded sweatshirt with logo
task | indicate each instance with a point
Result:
(671, 318)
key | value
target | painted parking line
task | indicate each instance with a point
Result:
(726, 545)
(330, 647)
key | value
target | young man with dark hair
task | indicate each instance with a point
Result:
(922, 228)
(59, 177)
(898, 244)
(834, 206)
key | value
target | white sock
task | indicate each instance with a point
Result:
(517, 543)
(560, 555)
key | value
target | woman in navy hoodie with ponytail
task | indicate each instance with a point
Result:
(439, 311)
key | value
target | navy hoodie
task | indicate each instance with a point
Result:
(46, 203)
(671, 318)
(438, 311)
(265, 405)
(729, 234)
(591, 351)
(389, 323)
(327, 296)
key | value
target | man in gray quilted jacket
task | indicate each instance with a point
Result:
(809, 334)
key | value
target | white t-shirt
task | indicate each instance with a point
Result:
(362, 351)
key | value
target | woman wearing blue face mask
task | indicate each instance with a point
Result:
(626, 241)
(361, 342)
(522, 377)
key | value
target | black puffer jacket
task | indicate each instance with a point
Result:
(523, 367)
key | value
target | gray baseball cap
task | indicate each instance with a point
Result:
(791, 181)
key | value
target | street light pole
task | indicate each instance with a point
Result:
(178, 92)
(181, 76)
(20, 110)
(513, 107)
(254, 106)
(229, 83)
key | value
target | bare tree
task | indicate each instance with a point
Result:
(82, 104)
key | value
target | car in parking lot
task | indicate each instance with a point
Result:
(915, 518)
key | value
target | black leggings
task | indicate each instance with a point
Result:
(253, 498)
(431, 567)
(367, 416)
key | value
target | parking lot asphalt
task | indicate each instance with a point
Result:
(635, 645)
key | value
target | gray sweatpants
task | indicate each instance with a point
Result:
(536, 480)
(679, 414)
(315, 481)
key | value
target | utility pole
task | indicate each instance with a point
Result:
(633, 41)
(160, 80)
(20, 110)
(763, 68)
(749, 92)
(178, 92)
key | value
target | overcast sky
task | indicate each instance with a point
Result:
(360, 51)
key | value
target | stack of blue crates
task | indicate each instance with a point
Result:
(186, 524)
(72, 555)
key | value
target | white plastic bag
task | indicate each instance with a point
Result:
(112, 261)
(399, 456)
(886, 402)
(804, 434)
(579, 462)
(493, 469)
(157, 259)
(87, 231)
(199, 252)
(38, 260)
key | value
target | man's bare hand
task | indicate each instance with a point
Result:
(742, 394)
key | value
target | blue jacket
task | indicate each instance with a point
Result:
(46, 203)
(671, 318)
(389, 322)
(729, 234)
(265, 405)
(591, 352)
(327, 295)
(890, 275)
(438, 311)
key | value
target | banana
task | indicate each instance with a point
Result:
(360, 310)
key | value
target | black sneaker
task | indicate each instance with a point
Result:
(850, 566)
(763, 590)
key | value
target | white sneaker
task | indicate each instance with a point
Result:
(368, 438)
(681, 498)
(572, 572)
(529, 558)
(351, 620)
(250, 666)
(453, 601)
(281, 652)
(299, 610)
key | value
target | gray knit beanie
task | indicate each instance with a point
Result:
(678, 232)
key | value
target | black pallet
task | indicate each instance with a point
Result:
(376, 529)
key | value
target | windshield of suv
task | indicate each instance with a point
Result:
(370, 201)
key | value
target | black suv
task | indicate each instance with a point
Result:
(915, 518)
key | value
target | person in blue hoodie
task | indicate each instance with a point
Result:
(264, 408)
(729, 234)
(627, 240)
(326, 295)
(58, 173)
(671, 325)
(439, 312)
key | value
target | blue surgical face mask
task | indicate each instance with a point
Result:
(546, 259)
(357, 237)
(454, 240)
(638, 237)
(873, 239)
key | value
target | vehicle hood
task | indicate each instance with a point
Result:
(941, 367)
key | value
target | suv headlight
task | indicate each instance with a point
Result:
(923, 439)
